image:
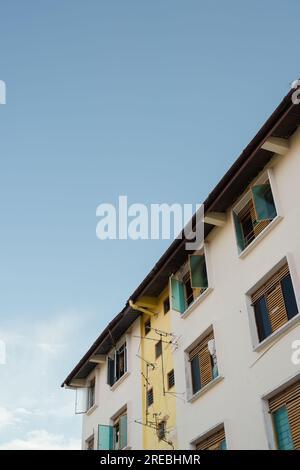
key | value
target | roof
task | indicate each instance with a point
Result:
(282, 123)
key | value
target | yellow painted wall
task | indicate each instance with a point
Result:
(164, 404)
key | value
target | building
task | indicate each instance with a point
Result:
(157, 372)
(218, 370)
(108, 387)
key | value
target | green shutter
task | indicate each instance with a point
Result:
(177, 295)
(223, 445)
(110, 371)
(198, 271)
(283, 430)
(123, 431)
(263, 202)
(239, 232)
(105, 437)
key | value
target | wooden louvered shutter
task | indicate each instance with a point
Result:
(201, 350)
(213, 442)
(290, 398)
(272, 292)
(267, 286)
(276, 307)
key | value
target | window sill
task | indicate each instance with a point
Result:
(196, 302)
(262, 235)
(277, 334)
(119, 381)
(91, 409)
(203, 390)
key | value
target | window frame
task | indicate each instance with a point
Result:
(191, 394)
(265, 175)
(170, 374)
(91, 387)
(183, 272)
(258, 345)
(112, 356)
(268, 418)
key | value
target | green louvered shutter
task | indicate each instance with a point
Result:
(283, 431)
(178, 295)
(123, 431)
(263, 202)
(239, 232)
(198, 271)
(105, 437)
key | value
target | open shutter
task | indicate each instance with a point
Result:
(123, 431)
(110, 371)
(263, 202)
(198, 271)
(105, 437)
(289, 296)
(239, 232)
(81, 400)
(177, 295)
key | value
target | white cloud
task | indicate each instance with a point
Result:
(7, 418)
(37, 354)
(42, 440)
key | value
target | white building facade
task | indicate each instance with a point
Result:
(109, 397)
(254, 368)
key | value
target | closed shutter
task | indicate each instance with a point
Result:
(276, 308)
(289, 398)
(215, 441)
(201, 351)
(280, 302)
(267, 286)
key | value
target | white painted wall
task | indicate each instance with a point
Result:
(126, 393)
(236, 400)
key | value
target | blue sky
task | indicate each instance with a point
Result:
(151, 99)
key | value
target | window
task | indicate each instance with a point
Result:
(171, 379)
(91, 394)
(158, 349)
(147, 326)
(186, 289)
(215, 441)
(89, 443)
(166, 305)
(274, 303)
(113, 437)
(161, 430)
(117, 365)
(254, 214)
(203, 361)
(285, 411)
(150, 398)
